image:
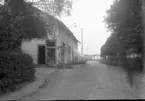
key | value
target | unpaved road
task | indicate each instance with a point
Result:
(93, 81)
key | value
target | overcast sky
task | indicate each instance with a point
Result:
(88, 14)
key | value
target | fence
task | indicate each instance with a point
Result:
(131, 63)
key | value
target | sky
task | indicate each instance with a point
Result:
(88, 14)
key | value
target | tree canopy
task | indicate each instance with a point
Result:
(124, 20)
(55, 7)
(52, 7)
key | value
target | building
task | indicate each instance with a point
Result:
(61, 46)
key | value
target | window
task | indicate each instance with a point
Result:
(50, 43)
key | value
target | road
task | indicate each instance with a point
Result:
(93, 81)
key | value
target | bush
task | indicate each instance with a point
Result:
(10, 37)
(15, 68)
(133, 65)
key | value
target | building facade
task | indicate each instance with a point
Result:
(61, 46)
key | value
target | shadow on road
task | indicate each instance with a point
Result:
(135, 81)
(130, 78)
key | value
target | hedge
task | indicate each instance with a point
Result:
(15, 68)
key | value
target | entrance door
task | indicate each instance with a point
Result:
(41, 54)
(51, 55)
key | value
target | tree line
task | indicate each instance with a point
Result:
(125, 22)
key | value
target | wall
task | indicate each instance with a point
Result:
(31, 47)
(63, 37)
(77, 55)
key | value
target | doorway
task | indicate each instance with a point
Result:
(51, 57)
(41, 54)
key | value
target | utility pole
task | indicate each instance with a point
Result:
(87, 50)
(82, 41)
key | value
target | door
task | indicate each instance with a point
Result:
(51, 55)
(41, 54)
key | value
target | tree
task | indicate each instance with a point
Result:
(32, 23)
(55, 7)
(29, 25)
(52, 7)
(10, 32)
(124, 18)
(112, 46)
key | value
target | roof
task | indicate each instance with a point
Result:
(77, 52)
(64, 27)
(52, 20)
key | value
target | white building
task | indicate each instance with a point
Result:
(61, 47)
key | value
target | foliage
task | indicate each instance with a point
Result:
(15, 68)
(29, 26)
(10, 37)
(124, 20)
(33, 24)
(54, 7)
(111, 47)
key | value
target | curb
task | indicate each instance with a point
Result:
(25, 90)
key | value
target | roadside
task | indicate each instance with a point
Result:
(41, 74)
(52, 82)
(135, 80)
(41, 80)
(88, 81)
(95, 81)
